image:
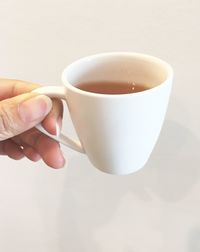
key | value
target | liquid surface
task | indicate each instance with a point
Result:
(112, 87)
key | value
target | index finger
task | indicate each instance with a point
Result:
(10, 88)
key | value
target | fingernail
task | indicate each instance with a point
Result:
(58, 126)
(63, 162)
(60, 162)
(36, 108)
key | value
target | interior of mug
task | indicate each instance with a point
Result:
(119, 67)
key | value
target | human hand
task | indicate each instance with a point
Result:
(20, 111)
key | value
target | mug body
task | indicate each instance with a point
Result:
(118, 132)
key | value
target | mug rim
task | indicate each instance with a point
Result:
(166, 65)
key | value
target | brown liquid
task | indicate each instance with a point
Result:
(107, 87)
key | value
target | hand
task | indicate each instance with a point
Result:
(20, 111)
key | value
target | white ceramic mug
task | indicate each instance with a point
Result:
(117, 132)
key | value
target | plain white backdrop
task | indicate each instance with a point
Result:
(79, 208)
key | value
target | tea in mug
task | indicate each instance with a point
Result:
(112, 88)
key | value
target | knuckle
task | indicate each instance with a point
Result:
(7, 124)
(3, 127)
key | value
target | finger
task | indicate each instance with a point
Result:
(53, 121)
(12, 150)
(11, 88)
(31, 153)
(47, 148)
(2, 152)
(22, 112)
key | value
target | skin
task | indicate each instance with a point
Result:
(30, 143)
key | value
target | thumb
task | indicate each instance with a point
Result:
(22, 112)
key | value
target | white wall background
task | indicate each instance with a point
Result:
(79, 208)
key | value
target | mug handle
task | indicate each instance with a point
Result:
(60, 93)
